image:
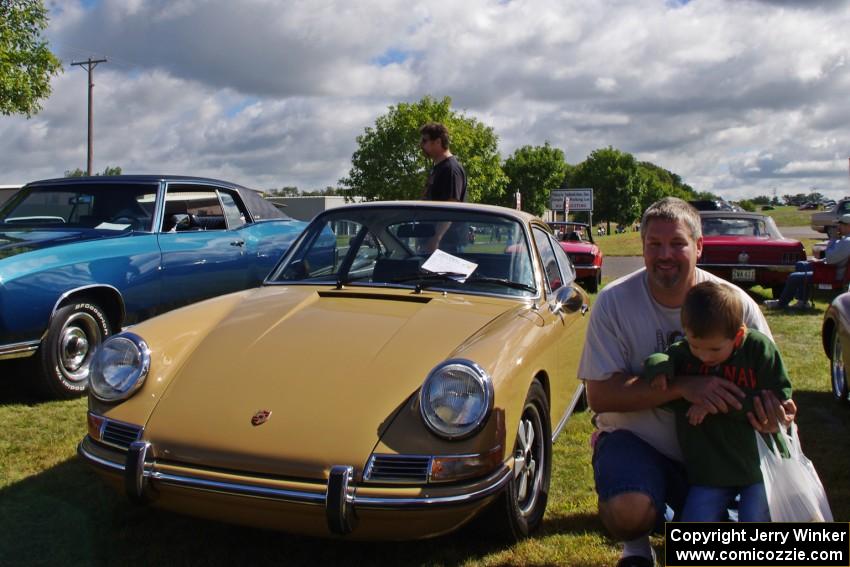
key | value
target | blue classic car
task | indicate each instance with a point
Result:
(80, 258)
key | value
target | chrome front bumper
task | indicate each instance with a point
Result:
(339, 497)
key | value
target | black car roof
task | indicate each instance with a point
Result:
(259, 207)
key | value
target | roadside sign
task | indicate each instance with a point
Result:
(579, 199)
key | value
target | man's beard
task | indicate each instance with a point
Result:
(665, 279)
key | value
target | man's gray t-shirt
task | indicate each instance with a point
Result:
(626, 326)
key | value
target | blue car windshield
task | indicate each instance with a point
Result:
(450, 249)
(97, 206)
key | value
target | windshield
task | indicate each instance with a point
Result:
(101, 206)
(420, 247)
(739, 226)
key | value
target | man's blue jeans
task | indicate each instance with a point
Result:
(798, 283)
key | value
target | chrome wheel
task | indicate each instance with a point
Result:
(64, 357)
(529, 460)
(78, 337)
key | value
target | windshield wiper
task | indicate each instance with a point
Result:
(340, 282)
(501, 281)
(426, 279)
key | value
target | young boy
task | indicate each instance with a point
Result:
(720, 450)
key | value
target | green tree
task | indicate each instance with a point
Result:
(617, 184)
(26, 64)
(81, 173)
(388, 163)
(287, 191)
(534, 171)
(747, 205)
(659, 183)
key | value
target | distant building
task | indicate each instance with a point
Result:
(306, 207)
(7, 191)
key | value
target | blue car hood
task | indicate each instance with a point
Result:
(16, 240)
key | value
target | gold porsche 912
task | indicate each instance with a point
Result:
(392, 379)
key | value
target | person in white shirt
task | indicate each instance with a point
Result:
(636, 460)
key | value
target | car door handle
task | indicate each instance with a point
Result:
(238, 243)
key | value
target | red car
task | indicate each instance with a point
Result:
(747, 249)
(576, 238)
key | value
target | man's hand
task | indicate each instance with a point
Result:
(696, 414)
(769, 413)
(715, 394)
(659, 382)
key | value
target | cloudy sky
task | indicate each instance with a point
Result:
(739, 97)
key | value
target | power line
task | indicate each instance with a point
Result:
(90, 64)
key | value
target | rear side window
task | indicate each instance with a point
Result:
(234, 214)
(547, 256)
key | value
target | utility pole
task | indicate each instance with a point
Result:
(90, 64)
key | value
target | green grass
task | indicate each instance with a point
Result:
(57, 511)
(625, 244)
(789, 216)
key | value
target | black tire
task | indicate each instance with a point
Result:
(64, 357)
(519, 510)
(837, 372)
(592, 284)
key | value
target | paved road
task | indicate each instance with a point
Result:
(618, 266)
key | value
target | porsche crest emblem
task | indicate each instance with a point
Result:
(260, 417)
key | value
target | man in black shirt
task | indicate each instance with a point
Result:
(447, 180)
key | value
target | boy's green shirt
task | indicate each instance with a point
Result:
(722, 451)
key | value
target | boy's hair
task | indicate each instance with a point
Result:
(436, 131)
(711, 309)
(675, 210)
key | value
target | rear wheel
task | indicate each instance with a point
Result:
(519, 510)
(837, 370)
(64, 357)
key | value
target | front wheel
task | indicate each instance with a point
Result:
(64, 357)
(837, 371)
(519, 510)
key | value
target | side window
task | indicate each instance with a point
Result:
(567, 269)
(547, 257)
(191, 208)
(234, 214)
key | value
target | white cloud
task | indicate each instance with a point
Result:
(738, 97)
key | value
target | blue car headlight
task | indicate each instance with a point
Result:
(456, 399)
(119, 367)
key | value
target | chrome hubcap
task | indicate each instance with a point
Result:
(528, 460)
(80, 335)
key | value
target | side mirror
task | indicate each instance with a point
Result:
(568, 299)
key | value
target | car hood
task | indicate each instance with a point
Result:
(15, 241)
(332, 368)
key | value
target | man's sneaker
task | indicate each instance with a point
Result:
(773, 304)
(800, 305)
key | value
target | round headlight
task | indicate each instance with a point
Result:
(119, 368)
(456, 398)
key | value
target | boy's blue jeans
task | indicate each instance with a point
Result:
(710, 503)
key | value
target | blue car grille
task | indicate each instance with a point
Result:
(120, 434)
(398, 468)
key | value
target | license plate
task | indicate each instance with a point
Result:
(741, 275)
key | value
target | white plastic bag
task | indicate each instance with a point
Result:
(794, 490)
